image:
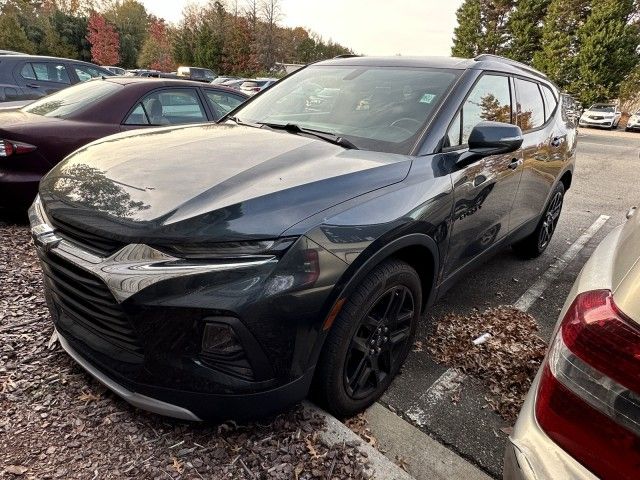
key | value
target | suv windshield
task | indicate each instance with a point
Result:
(72, 99)
(602, 108)
(375, 108)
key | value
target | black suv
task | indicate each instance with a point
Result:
(226, 270)
(28, 77)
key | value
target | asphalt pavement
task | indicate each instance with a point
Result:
(605, 186)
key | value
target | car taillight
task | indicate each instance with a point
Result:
(8, 148)
(588, 400)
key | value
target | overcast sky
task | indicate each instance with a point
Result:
(371, 27)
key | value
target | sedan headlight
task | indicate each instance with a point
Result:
(230, 250)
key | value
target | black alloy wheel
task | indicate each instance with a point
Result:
(535, 244)
(369, 340)
(550, 220)
(378, 342)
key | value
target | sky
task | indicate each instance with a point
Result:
(369, 27)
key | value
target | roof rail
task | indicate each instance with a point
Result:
(508, 61)
(347, 55)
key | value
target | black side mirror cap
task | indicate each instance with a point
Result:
(491, 138)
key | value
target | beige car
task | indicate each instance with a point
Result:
(581, 418)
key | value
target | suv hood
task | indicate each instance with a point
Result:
(219, 182)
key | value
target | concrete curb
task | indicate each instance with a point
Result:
(380, 466)
(426, 458)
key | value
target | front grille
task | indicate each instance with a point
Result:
(84, 238)
(88, 302)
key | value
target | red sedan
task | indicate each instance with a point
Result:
(35, 138)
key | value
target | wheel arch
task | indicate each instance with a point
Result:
(417, 249)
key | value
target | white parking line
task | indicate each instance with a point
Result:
(536, 290)
(452, 378)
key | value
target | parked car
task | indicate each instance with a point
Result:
(251, 87)
(224, 80)
(601, 115)
(235, 84)
(117, 70)
(28, 77)
(634, 122)
(581, 417)
(208, 272)
(197, 74)
(40, 135)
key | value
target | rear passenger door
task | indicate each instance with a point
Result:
(485, 190)
(39, 78)
(544, 148)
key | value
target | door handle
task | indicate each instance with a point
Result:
(515, 163)
(33, 85)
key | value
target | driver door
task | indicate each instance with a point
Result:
(485, 190)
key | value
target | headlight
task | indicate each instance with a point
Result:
(230, 250)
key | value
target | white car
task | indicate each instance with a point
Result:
(634, 122)
(601, 115)
(581, 418)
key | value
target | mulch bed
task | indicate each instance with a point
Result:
(57, 422)
(507, 362)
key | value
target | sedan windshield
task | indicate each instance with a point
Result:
(375, 108)
(602, 108)
(64, 103)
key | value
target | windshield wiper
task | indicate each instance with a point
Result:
(326, 136)
(237, 121)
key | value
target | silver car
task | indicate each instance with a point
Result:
(581, 417)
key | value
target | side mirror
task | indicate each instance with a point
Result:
(491, 138)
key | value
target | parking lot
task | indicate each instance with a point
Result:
(442, 402)
(604, 185)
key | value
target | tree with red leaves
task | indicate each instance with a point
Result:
(156, 52)
(104, 40)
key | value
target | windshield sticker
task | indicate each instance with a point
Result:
(427, 98)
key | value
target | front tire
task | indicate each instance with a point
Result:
(535, 244)
(370, 339)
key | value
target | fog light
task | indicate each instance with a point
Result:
(220, 339)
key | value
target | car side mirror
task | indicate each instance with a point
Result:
(491, 138)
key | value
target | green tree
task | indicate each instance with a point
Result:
(482, 27)
(12, 34)
(132, 21)
(525, 29)
(608, 50)
(156, 51)
(560, 43)
(467, 36)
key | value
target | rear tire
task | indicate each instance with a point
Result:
(369, 340)
(535, 244)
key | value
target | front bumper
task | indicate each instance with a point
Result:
(531, 455)
(136, 321)
(603, 123)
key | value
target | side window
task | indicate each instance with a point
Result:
(46, 72)
(530, 105)
(453, 135)
(137, 117)
(27, 72)
(172, 107)
(490, 100)
(85, 72)
(222, 103)
(550, 102)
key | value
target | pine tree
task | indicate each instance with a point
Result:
(525, 29)
(467, 36)
(560, 43)
(482, 27)
(607, 54)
